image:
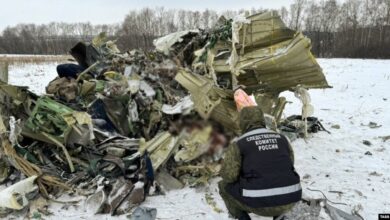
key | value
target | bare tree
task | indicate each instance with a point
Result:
(353, 28)
(296, 12)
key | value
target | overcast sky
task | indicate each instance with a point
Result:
(108, 11)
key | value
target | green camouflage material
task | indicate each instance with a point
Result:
(250, 118)
(237, 209)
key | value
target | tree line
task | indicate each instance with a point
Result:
(352, 28)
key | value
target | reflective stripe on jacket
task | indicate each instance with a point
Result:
(267, 176)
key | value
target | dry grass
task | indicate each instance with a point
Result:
(11, 59)
(45, 182)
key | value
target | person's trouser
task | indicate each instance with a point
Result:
(69, 70)
(237, 209)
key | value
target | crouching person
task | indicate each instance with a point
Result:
(258, 174)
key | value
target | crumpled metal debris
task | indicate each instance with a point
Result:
(209, 100)
(107, 199)
(164, 44)
(296, 126)
(14, 197)
(184, 106)
(4, 170)
(237, 24)
(133, 118)
(160, 148)
(15, 130)
(194, 145)
(318, 209)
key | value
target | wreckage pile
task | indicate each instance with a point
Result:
(138, 123)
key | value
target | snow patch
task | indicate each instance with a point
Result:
(335, 163)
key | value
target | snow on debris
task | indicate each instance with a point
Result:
(338, 164)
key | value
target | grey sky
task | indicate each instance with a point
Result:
(108, 11)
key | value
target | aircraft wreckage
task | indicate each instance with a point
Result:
(140, 123)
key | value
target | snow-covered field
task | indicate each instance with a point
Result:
(338, 164)
(35, 76)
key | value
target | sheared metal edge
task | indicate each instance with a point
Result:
(194, 144)
(160, 148)
(275, 70)
(275, 59)
(201, 89)
(161, 155)
(165, 43)
(272, 57)
(15, 130)
(264, 29)
(184, 106)
(237, 24)
(209, 100)
(8, 196)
